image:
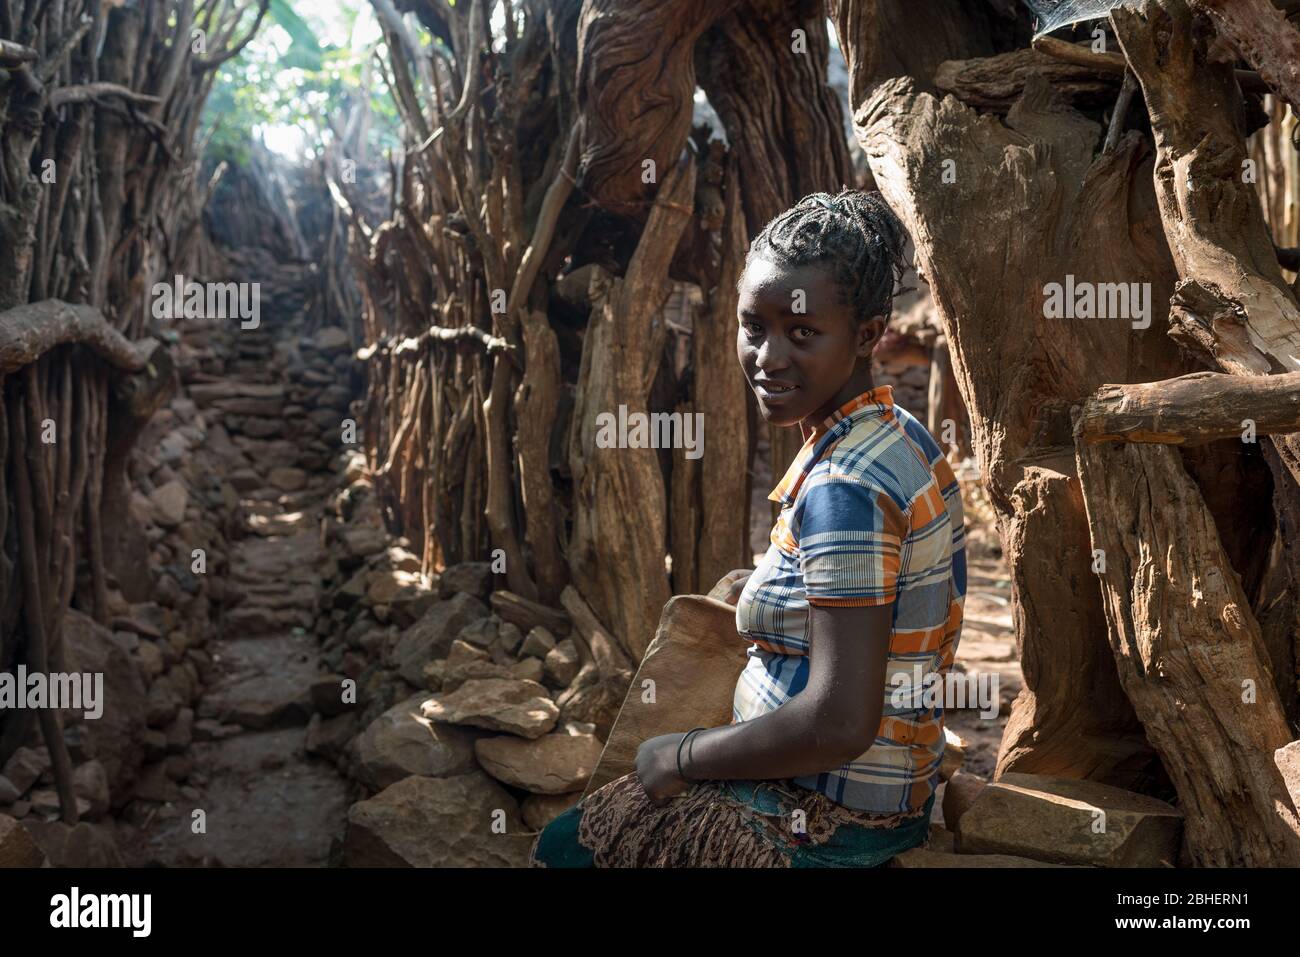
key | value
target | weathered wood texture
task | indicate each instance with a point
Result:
(1192, 409)
(888, 38)
(1190, 655)
(98, 200)
(708, 516)
(1232, 301)
(1232, 308)
(1263, 37)
(1044, 205)
(28, 332)
(636, 84)
(995, 82)
(785, 128)
(619, 539)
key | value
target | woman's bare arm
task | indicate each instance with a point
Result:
(833, 720)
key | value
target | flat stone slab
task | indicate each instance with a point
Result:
(1067, 821)
(266, 682)
(552, 764)
(499, 704)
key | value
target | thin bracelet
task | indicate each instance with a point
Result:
(686, 737)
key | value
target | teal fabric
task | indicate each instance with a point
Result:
(558, 846)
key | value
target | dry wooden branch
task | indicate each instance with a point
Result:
(28, 332)
(47, 70)
(14, 55)
(1233, 302)
(596, 641)
(996, 82)
(93, 91)
(618, 563)
(1083, 55)
(342, 202)
(1191, 410)
(202, 64)
(538, 395)
(1120, 112)
(31, 497)
(633, 115)
(1261, 34)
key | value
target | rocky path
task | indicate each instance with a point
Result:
(264, 800)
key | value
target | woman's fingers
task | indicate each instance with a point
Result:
(737, 584)
(730, 585)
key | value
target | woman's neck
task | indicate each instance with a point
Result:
(861, 381)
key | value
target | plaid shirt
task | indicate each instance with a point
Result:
(871, 514)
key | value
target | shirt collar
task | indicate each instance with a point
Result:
(826, 433)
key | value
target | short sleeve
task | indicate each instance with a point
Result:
(850, 541)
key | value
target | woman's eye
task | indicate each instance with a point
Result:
(752, 329)
(804, 333)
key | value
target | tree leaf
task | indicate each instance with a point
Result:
(305, 50)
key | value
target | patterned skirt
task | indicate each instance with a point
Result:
(724, 824)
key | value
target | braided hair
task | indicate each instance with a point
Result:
(854, 232)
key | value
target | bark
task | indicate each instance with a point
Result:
(619, 537)
(1263, 37)
(710, 534)
(1190, 656)
(1044, 205)
(944, 403)
(995, 83)
(1232, 294)
(636, 86)
(1082, 55)
(539, 392)
(785, 132)
(888, 38)
(1192, 409)
(28, 332)
(1232, 308)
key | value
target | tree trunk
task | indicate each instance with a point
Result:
(619, 539)
(1190, 655)
(1044, 205)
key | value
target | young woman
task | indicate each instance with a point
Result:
(832, 756)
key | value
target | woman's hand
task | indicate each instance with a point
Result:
(656, 767)
(730, 585)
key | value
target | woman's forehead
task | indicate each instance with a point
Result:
(774, 284)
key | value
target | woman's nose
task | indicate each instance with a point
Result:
(772, 355)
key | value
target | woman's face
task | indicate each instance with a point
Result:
(802, 350)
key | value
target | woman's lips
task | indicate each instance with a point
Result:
(774, 392)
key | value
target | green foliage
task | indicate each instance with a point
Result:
(304, 51)
(287, 79)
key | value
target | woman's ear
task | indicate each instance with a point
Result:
(869, 333)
